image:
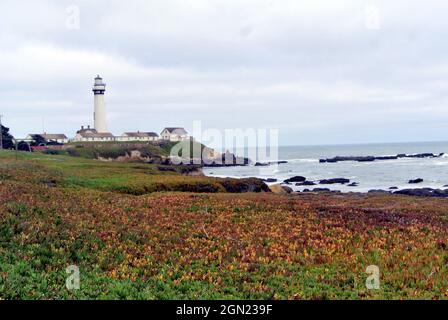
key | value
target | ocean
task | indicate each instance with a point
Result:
(383, 174)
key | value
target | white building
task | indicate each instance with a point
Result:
(99, 115)
(138, 136)
(59, 138)
(93, 135)
(99, 133)
(174, 134)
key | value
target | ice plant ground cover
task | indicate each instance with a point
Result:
(181, 245)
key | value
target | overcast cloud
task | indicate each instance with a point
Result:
(321, 72)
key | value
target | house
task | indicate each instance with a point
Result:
(59, 138)
(88, 134)
(138, 136)
(174, 134)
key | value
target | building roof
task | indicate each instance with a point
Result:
(139, 134)
(96, 134)
(174, 130)
(46, 136)
(87, 130)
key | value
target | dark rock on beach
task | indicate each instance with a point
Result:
(321, 190)
(244, 185)
(353, 184)
(379, 191)
(419, 180)
(270, 180)
(334, 181)
(393, 188)
(295, 179)
(424, 192)
(306, 183)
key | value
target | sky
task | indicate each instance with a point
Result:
(321, 72)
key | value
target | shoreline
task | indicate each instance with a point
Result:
(419, 174)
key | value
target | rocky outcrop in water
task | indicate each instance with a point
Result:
(306, 183)
(295, 179)
(353, 184)
(334, 181)
(375, 158)
(227, 160)
(266, 164)
(415, 181)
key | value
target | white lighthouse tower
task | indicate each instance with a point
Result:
(100, 110)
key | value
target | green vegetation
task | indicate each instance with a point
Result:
(129, 178)
(57, 211)
(95, 150)
(113, 150)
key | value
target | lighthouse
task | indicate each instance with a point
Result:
(99, 115)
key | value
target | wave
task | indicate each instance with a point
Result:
(302, 160)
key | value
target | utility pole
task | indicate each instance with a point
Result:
(1, 133)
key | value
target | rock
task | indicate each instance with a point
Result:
(350, 158)
(393, 188)
(423, 192)
(422, 155)
(374, 158)
(270, 180)
(321, 190)
(265, 164)
(334, 181)
(244, 185)
(419, 180)
(306, 183)
(387, 158)
(295, 179)
(279, 189)
(353, 184)
(259, 164)
(226, 160)
(379, 191)
(365, 159)
(278, 162)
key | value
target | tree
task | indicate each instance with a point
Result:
(23, 146)
(38, 140)
(7, 138)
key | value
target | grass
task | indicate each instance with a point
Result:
(57, 211)
(129, 178)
